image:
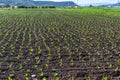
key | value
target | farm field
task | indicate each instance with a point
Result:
(59, 44)
(97, 10)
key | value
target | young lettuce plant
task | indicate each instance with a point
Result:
(56, 76)
(26, 76)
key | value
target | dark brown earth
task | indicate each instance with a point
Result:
(59, 47)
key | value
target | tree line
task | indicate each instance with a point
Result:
(36, 7)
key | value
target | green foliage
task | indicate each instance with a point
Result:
(96, 11)
(105, 78)
(50, 39)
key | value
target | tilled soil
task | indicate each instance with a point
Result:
(78, 69)
(66, 46)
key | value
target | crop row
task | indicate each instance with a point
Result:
(52, 44)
